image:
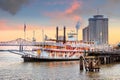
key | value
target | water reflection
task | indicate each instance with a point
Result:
(12, 67)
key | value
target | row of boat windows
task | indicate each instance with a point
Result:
(64, 54)
(66, 47)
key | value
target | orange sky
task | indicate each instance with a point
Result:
(6, 35)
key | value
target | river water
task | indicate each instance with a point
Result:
(12, 67)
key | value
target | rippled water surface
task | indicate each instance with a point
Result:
(12, 67)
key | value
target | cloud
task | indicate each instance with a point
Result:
(66, 16)
(12, 6)
(73, 7)
(77, 9)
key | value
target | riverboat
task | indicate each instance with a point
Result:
(59, 49)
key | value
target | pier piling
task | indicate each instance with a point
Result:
(81, 63)
(92, 63)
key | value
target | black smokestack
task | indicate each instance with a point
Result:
(64, 38)
(57, 34)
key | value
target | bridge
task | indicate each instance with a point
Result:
(17, 42)
(18, 45)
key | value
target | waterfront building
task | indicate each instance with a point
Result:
(97, 29)
(86, 34)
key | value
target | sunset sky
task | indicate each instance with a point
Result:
(45, 15)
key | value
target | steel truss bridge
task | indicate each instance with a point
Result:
(19, 44)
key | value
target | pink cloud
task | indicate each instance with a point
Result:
(68, 15)
(76, 18)
(73, 7)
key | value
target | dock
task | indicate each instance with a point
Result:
(107, 57)
(92, 61)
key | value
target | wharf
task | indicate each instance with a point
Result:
(106, 57)
(92, 60)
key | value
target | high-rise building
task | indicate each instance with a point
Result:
(97, 29)
(86, 34)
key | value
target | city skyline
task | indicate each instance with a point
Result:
(48, 14)
(97, 30)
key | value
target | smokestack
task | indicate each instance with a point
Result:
(57, 34)
(64, 38)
